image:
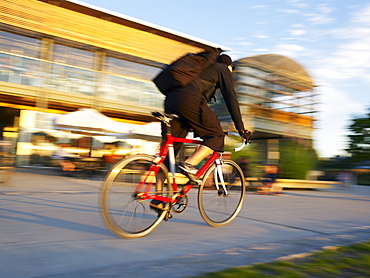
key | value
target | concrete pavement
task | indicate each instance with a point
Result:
(50, 227)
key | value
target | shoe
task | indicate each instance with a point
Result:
(188, 170)
(157, 206)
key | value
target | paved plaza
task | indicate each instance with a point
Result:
(50, 227)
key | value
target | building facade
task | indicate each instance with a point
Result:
(57, 56)
(277, 101)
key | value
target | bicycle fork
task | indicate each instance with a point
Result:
(218, 175)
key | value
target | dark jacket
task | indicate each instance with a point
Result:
(220, 75)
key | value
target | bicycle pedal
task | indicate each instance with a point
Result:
(157, 206)
(168, 216)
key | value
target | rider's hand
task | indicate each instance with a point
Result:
(246, 134)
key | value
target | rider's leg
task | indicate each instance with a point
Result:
(188, 166)
(159, 182)
(194, 114)
(201, 153)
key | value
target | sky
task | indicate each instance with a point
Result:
(329, 38)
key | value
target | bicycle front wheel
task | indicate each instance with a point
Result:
(217, 206)
(122, 207)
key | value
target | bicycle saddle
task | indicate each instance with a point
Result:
(163, 117)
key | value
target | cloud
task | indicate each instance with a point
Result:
(349, 57)
(244, 43)
(297, 25)
(261, 36)
(238, 43)
(261, 49)
(322, 16)
(259, 6)
(335, 111)
(239, 39)
(288, 11)
(297, 32)
(299, 3)
(289, 50)
(363, 17)
(290, 47)
(324, 9)
(342, 72)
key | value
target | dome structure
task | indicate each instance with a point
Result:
(281, 65)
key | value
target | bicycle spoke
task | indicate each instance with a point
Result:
(221, 194)
(122, 210)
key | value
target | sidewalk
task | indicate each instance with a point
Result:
(25, 183)
(33, 181)
(50, 227)
(201, 263)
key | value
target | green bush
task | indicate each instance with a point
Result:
(297, 157)
(363, 178)
(251, 153)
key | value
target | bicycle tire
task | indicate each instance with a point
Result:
(215, 207)
(121, 210)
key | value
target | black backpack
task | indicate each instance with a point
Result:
(184, 70)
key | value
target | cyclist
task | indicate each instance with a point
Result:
(190, 104)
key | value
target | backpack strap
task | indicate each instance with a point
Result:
(209, 92)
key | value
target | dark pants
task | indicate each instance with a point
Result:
(194, 115)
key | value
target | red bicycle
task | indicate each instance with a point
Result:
(140, 192)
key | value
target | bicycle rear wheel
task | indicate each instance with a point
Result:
(122, 209)
(215, 206)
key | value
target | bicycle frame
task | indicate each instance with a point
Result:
(168, 149)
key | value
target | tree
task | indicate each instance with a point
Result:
(359, 145)
(297, 157)
(251, 152)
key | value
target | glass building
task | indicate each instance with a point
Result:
(278, 101)
(60, 56)
(276, 88)
(57, 56)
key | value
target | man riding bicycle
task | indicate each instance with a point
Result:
(139, 192)
(190, 103)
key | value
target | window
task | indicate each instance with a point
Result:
(130, 91)
(19, 59)
(73, 70)
(130, 82)
(130, 69)
(251, 80)
(252, 71)
(19, 45)
(73, 56)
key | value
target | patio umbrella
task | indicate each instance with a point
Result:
(90, 122)
(150, 131)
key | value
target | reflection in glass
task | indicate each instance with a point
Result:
(73, 56)
(127, 68)
(130, 91)
(272, 90)
(74, 70)
(72, 80)
(20, 45)
(20, 70)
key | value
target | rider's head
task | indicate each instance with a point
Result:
(225, 59)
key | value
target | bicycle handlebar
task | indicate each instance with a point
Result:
(244, 142)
